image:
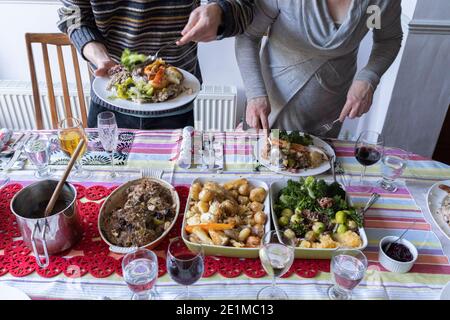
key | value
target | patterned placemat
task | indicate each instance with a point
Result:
(95, 155)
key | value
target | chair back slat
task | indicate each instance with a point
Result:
(34, 85)
(59, 40)
(65, 86)
(80, 90)
(50, 88)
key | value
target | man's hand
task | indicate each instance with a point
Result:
(257, 115)
(97, 54)
(359, 100)
(202, 25)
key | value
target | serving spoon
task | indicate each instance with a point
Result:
(399, 238)
(59, 186)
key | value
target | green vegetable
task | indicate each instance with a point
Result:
(283, 221)
(342, 229)
(352, 224)
(288, 233)
(130, 59)
(341, 217)
(157, 222)
(287, 213)
(296, 137)
(318, 227)
(296, 219)
(310, 236)
(355, 216)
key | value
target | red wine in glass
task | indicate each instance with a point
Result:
(367, 156)
(185, 268)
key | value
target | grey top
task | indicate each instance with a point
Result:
(303, 41)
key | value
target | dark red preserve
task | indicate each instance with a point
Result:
(398, 252)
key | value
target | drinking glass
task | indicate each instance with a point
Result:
(70, 132)
(368, 151)
(393, 164)
(277, 255)
(184, 267)
(140, 271)
(108, 134)
(348, 268)
(38, 152)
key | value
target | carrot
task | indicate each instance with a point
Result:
(159, 76)
(210, 226)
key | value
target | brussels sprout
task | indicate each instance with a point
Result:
(283, 221)
(287, 213)
(341, 217)
(296, 219)
(342, 229)
(310, 236)
(318, 227)
(352, 224)
(288, 233)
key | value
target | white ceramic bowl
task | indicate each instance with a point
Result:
(394, 265)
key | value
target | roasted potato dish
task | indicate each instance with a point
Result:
(231, 214)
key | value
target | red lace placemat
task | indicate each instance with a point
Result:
(92, 256)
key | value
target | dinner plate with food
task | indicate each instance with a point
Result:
(317, 216)
(294, 153)
(138, 214)
(150, 89)
(438, 200)
(226, 218)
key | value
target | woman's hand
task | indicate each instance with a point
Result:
(359, 100)
(97, 54)
(257, 115)
(202, 25)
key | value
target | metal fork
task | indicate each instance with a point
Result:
(323, 130)
(150, 58)
(151, 173)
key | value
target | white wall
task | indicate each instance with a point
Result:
(217, 59)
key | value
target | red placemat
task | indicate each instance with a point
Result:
(92, 256)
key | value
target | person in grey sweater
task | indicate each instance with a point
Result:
(304, 74)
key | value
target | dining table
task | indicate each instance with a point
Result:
(90, 271)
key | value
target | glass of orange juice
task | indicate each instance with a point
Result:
(70, 132)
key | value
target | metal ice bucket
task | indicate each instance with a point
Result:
(53, 234)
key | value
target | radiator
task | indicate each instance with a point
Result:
(214, 108)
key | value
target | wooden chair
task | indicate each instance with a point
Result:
(59, 40)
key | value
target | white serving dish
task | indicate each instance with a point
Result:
(307, 253)
(394, 265)
(214, 250)
(435, 198)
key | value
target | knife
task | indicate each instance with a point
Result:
(17, 153)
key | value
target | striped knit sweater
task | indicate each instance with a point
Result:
(144, 26)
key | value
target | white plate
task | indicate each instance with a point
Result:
(10, 293)
(301, 173)
(445, 293)
(435, 198)
(190, 82)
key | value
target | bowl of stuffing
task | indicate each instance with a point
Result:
(138, 214)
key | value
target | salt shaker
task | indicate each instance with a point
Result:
(185, 158)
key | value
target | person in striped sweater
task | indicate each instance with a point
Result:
(101, 30)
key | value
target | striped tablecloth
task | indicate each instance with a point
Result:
(389, 216)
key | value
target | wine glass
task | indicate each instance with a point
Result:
(393, 164)
(108, 134)
(140, 271)
(70, 133)
(38, 152)
(277, 255)
(348, 268)
(368, 151)
(184, 267)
